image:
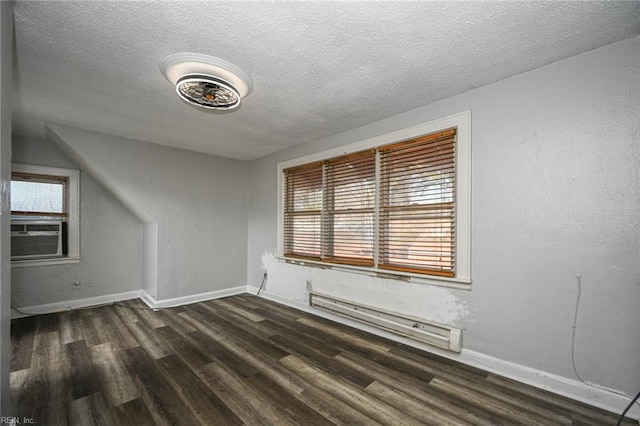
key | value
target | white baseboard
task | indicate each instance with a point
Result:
(596, 396)
(193, 298)
(147, 299)
(69, 305)
(574, 389)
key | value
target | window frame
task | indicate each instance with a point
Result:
(73, 213)
(462, 123)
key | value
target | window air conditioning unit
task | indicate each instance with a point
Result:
(36, 239)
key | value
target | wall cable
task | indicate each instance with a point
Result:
(633, 401)
(83, 308)
(264, 280)
(18, 310)
(573, 333)
(573, 349)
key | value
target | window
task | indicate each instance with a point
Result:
(400, 205)
(38, 195)
(349, 209)
(304, 211)
(417, 208)
(44, 215)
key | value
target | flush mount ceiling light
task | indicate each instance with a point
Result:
(206, 81)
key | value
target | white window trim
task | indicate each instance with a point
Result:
(462, 122)
(73, 213)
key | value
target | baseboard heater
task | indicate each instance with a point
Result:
(442, 336)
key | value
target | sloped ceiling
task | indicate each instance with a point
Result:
(319, 68)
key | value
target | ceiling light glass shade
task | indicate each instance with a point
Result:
(207, 92)
(206, 81)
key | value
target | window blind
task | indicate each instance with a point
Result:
(393, 207)
(417, 207)
(303, 211)
(349, 207)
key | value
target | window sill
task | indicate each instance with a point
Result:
(457, 283)
(44, 262)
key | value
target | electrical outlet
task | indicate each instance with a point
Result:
(76, 285)
(91, 283)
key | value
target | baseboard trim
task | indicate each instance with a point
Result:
(70, 305)
(147, 299)
(570, 388)
(593, 395)
(193, 298)
(596, 396)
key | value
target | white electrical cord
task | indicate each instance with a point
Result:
(573, 346)
(83, 308)
(18, 310)
(573, 333)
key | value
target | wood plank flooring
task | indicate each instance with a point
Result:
(245, 360)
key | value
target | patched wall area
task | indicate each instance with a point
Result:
(438, 304)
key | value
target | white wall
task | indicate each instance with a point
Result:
(110, 242)
(6, 57)
(197, 201)
(555, 158)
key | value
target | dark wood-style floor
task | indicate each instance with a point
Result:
(243, 359)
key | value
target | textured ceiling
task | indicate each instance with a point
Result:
(319, 68)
